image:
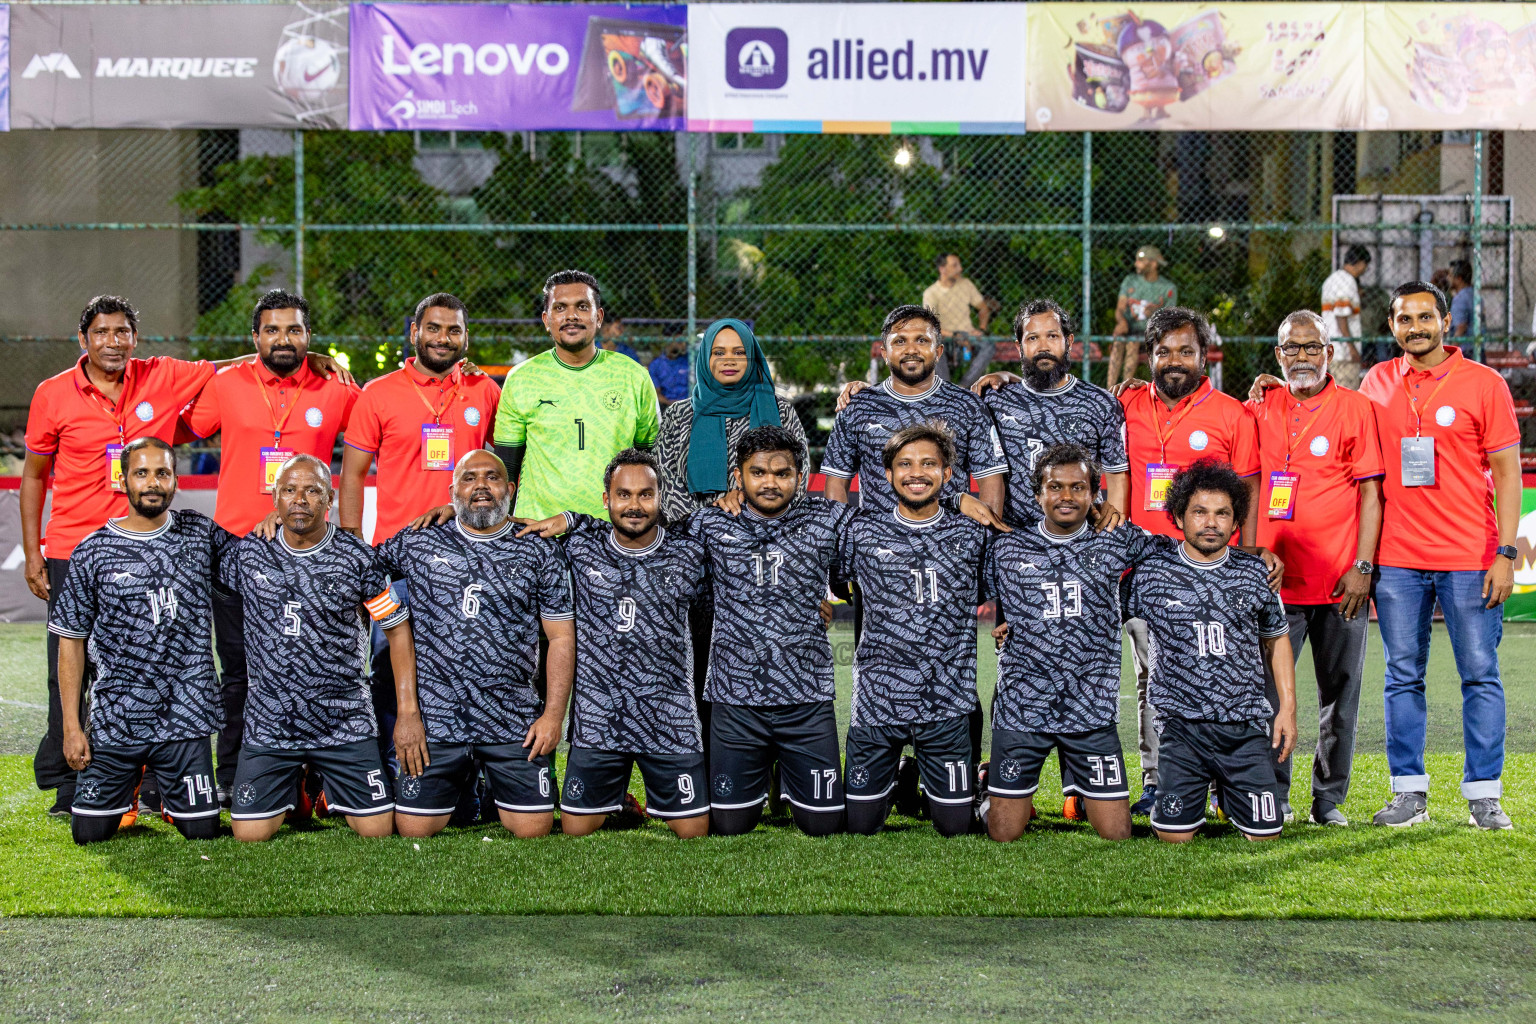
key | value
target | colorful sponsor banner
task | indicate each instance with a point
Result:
(179, 66)
(518, 67)
(1451, 66)
(5, 68)
(1178, 67)
(903, 67)
(1521, 605)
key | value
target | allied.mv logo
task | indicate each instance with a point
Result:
(756, 58)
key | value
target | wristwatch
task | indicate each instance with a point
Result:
(1363, 567)
(1509, 551)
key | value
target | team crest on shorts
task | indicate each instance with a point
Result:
(313, 416)
(410, 786)
(858, 777)
(472, 416)
(574, 788)
(1198, 440)
(612, 399)
(1171, 804)
(90, 790)
(1010, 770)
(245, 794)
(144, 411)
(722, 785)
(1445, 415)
(1319, 446)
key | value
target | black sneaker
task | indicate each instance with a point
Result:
(63, 799)
(1145, 802)
(909, 798)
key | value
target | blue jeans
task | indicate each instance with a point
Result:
(1405, 605)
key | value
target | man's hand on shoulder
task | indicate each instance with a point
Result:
(327, 366)
(993, 381)
(441, 514)
(1262, 383)
(850, 389)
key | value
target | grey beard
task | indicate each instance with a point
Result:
(482, 518)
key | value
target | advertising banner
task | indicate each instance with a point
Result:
(907, 67)
(1452, 66)
(518, 67)
(179, 66)
(1521, 605)
(1179, 67)
(5, 68)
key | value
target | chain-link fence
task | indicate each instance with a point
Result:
(811, 238)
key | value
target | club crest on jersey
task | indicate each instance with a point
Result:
(314, 417)
(1010, 770)
(144, 411)
(612, 399)
(245, 794)
(1171, 804)
(472, 416)
(574, 788)
(90, 791)
(858, 777)
(722, 785)
(410, 786)
(1319, 446)
(1445, 415)
(1198, 440)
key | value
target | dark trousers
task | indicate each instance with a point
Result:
(49, 767)
(701, 628)
(229, 641)
(1338, 659)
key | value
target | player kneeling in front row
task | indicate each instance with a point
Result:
(479, 595)
(914, 673)
(307, 641)
(1057, 585)
(1213, 623)
(633, 695)
(140, 592)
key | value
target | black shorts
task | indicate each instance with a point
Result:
(1091, 764)
(596, 781)
(267, 780)
(183, 768)
(944, 757)
(517, 784)
(1235, 755)
(745, 741)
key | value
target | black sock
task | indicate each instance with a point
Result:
(734, 821)
(817, 823)
(93, 828)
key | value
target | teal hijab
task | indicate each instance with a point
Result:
(714, 403)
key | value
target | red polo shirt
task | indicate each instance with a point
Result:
(1329, 441)
(1466, 407)
(72, 421)
(1203, 424)
(387, 424)
(252, 408)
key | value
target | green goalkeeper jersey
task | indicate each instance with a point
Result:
(572, 421)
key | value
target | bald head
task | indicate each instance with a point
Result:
(482, 493)
(302, 494)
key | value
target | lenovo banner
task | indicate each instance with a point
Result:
(179, 66)
(518, 67)
(903, 67)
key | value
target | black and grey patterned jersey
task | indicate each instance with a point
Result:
(1059, 670)
(143, 603)
(306, 637)
(919, 584)
(1030, 421)
(677, 501)
(874, 414)
(769, 577)
(634, 654)
(1205, 623)
(476, 604)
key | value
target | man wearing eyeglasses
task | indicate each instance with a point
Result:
(1320, 513)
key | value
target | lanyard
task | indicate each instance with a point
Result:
(1413, 403)
(448, 393)
(1290, 446)
(278, 424)
(1163, 433)
(116, 413)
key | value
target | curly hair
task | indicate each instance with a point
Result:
(1207, 475)
(1067, 454)
(769, 439)
(630, 457)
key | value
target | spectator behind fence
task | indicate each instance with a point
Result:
(1141, 294)
(952, 297)
(1341, 313)
(611, 337)
(1461, 298)
(669, 372)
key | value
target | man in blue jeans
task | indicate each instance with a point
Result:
(1452, 450)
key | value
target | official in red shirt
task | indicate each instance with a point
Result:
(416, 422)
(1320, 513)
(264, 412)
(1181, 417)
(1452, 450)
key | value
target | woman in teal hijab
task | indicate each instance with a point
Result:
(732, 393)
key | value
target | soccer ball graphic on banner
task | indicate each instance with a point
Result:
(306, 67)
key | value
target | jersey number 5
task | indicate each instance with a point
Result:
(291, 621)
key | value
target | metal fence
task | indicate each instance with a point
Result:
(812, 238)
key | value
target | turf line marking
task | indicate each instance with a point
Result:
(23, 704)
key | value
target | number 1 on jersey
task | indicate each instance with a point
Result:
(581, 435)
(933, 583)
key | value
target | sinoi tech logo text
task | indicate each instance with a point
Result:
(758, 58)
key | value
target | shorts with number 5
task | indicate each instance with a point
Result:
(1236, 755)
(1091, 763)
(596, 780)
(517, 784)
(267, 780)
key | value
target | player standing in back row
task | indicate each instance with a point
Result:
(567, 411)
